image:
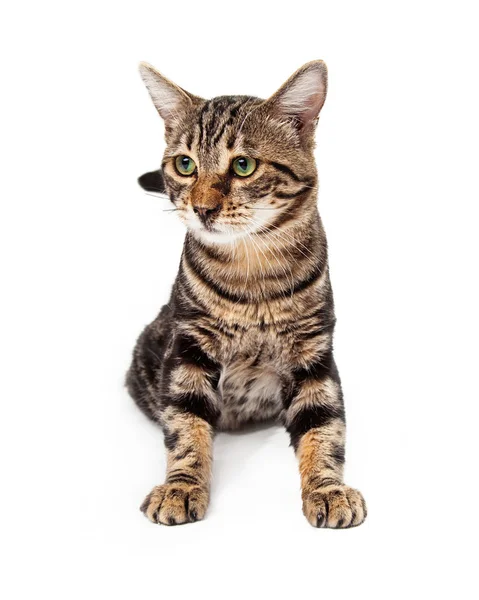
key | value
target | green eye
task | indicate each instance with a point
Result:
(185, 165)
(244, 166)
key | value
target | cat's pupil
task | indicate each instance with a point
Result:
(242, 163)
(185, 161)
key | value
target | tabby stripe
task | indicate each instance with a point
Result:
(218, 108)
(171, 439)
(253, 103)
(201, 123)
(319, 331)
(180, 471)
(183, 478)
(212, 333)
(197, 404)
(299, 247)
(338, 454)
(291, 212)
(219, 133)
(312, 278)
(223, 184)
(176, 186)
(228, 121)
(190, 352)
(184, 454)
(311, 417)
(264, 185)
(319, 370)
(205, 279)
(189, 139)
(324, 314)
(208, 333)
(186, 309)
(286, 196)
(231, 140)
(319, 322)
(287, 170)
(322, 368)
(259, 195)
(318, 481)
(208, 282)
(189, 300)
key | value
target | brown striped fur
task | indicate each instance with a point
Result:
(247, 333)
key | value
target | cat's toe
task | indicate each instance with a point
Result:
(175, 504)
(334, 506)
(151, 504)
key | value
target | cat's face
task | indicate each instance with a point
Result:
(237, 165)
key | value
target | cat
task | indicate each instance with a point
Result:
(247, 333)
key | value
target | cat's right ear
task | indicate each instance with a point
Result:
(169, 99)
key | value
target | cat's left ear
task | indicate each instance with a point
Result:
(302, 96)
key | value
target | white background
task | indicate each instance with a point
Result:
(88, 259)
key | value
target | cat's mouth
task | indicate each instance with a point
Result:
(214, 230)
(210, 228)
(221, 230)
(218, 233)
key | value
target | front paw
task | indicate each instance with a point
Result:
(176, 503)
(336, 506)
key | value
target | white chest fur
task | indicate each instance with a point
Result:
(250, 391)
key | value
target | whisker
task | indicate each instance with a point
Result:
(271, 266)
(238, 270)
(285, 261)
(259, 208)
(262, 273)
(270, 226)
(159, 195)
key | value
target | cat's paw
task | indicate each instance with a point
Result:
(335, 506)
(176, 503)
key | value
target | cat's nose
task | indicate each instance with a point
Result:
(206, 201)
(206, 213)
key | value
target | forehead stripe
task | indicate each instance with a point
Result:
(201, 123)
(228, 121)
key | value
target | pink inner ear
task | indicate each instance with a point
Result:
(303, 97)
(168, 98)
(312, 107)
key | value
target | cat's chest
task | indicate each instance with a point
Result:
(250, 384)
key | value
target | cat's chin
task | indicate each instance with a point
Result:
(216, 236)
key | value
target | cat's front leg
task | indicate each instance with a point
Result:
(188, 416)
(184, 496)
(316, 423)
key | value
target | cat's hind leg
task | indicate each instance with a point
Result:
(142, 376)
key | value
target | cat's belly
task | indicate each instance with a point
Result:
(249, 393)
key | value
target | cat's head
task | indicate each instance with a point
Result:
(237, 165)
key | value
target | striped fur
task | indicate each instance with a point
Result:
(247, 334)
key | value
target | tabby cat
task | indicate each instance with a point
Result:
(248, 332)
